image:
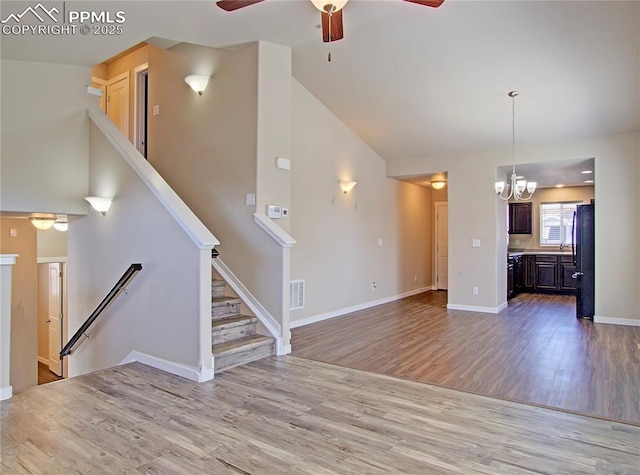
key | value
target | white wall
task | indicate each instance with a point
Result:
(582, 194)
(337, 252)
(476, 213)
(207, 149)
(52, 243)
(161, 314)
(44, 137)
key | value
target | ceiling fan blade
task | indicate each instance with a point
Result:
(336, 26)
(231, 5)
(427, 3)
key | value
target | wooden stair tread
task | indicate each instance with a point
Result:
(224, 300)
(235, 320)
(241, 344)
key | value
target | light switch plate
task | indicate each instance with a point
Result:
(476, 243)
(156, 110)
(250, 199)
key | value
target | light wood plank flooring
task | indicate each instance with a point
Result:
(535, 352)
(293, 415)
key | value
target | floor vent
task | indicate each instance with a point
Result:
(296, 290)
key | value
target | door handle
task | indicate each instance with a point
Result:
(576, 274)
(47, 321)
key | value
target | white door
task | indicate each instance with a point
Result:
(442, 245)
(118, 103)
(55, 318)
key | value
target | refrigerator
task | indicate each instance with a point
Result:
(583, 248)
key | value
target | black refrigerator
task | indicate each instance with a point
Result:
(583, 246)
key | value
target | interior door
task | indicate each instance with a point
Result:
(442, 246)
(55, 318)
(118, 103)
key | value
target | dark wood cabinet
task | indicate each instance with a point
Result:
(545, 273)
(528, 272)
(517, 274)
(520, 218)
(510, 292)
(566, 271)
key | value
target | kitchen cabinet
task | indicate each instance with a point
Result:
(566, 271)
(544, 273)
(520, 218)
(528, 272)
(510, 292)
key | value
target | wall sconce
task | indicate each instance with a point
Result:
(61, 224)
(197, 83)
(438, 185)
(99, 203)
(42, 223)
(347, 186)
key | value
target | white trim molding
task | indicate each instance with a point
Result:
(475, 308)
(51, 260)
(354, 308)
(261, 313)
(272, 229)
(631, 322)
(199, 375)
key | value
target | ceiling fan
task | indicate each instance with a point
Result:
(331, 12)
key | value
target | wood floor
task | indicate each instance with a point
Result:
(535, 352)
(293, 415)
(45, 375)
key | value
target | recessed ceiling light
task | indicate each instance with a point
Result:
(588, 181)
(586, 172)
(559, 185)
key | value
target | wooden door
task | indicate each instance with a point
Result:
(442, 246)
(118, 103)
(55, 318)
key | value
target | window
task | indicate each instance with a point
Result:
(555, 222)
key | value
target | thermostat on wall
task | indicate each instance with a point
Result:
(274, 211)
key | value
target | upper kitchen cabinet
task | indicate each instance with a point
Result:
(520, 218)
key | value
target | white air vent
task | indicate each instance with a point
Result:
(296, 291)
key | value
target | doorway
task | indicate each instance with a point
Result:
(141, 77)
(51, 320)
(442, 245)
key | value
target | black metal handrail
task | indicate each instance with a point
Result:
(113, 293)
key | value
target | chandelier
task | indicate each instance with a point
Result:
(517, 187)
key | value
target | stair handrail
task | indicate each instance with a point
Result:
(113, 293)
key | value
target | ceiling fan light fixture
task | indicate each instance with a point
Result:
(329, 6)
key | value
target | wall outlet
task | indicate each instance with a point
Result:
(374, 284)
(13, 232)
(517, 241)
(415, 278)
(475, 290)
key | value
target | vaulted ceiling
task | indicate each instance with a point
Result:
(414, 81)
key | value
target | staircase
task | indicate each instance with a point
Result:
(235, 341)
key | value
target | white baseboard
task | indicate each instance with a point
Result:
(282, 349)
(343, 311)
(475, 308)
(6, 393)
(617, 321)
(189, 372)
(43, 360)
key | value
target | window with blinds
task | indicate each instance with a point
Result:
(555, 222)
